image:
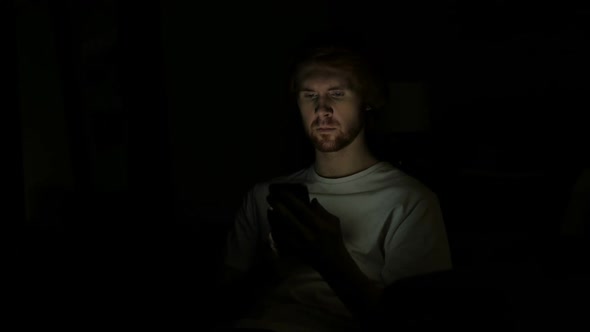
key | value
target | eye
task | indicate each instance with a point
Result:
(337, 93)
(309, 95)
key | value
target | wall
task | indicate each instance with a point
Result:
(225, 82)
(47, 163)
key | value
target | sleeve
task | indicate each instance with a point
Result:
(418, 244)
(243, 237)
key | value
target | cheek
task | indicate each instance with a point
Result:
(306, 115)
(352, 119)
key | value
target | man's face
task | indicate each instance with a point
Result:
(330, 109)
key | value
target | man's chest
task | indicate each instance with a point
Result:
(362, 217)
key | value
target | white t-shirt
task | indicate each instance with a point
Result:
(391, 225)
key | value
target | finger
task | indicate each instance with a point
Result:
(272, 216)
(282, 228)
(271, 199)
(293, 221)
(300, 209)
(315, 205)
(278, 226)
(285, 241)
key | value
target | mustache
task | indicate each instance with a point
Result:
(324, 123)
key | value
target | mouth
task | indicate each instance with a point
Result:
(325, 129)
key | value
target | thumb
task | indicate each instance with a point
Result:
(317, 206)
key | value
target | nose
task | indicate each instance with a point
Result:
(323, 107)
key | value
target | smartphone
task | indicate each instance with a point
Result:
(299, 190)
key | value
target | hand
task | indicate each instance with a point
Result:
(308, 231)
(305, 230)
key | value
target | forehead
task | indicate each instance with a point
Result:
(324, 77)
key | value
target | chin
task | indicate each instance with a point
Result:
(330, 145)
(328, 148)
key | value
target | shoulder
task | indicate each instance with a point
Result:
(401, 185)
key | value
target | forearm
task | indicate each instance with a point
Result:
(359, 294)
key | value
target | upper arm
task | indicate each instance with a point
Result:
(243, 237)
(418, 245)
(231, 276)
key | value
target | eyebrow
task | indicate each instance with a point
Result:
(336, 87)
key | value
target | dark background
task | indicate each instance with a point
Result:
(141, 125)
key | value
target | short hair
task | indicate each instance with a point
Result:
(365, 78)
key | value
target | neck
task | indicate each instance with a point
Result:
(352, 159)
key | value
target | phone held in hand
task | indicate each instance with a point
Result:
(299, 190)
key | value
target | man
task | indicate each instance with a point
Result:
(361, 225)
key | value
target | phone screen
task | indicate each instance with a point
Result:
(297, 189)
